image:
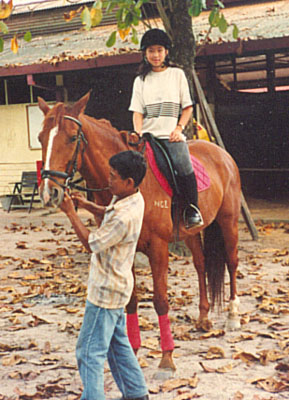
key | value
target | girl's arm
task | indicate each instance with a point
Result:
(176, 135)
(137, 120)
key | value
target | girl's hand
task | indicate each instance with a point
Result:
(177, 135)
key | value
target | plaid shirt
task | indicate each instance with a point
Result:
(113, 247)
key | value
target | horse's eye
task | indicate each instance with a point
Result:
(74, 138)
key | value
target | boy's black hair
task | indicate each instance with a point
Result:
(129, 164)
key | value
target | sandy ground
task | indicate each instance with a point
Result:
(43, 272)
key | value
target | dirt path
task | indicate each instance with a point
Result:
(43, 275)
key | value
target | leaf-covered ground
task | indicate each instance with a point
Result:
(43, 271)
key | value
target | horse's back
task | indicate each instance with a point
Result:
(216, 160)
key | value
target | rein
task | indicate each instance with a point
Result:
(69, 183)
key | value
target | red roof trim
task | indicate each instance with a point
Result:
(240, 48)
(99, 62)
(244, 47)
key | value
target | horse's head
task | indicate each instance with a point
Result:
(62, 144)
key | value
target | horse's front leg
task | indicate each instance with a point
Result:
(195, 245)
(158, 256)
(132, 324)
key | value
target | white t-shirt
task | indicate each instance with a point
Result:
(161, 97)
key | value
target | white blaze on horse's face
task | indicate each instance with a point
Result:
(46, 192)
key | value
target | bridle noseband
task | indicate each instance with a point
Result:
(69, 183)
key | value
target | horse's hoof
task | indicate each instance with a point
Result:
(233, 323)
(164, 374)
(167, 362)
(204, 325)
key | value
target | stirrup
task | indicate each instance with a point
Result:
(190, 224)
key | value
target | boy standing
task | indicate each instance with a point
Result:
(110, 281)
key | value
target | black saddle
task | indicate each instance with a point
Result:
(164, 162)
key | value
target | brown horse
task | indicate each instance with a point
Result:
(74, 141)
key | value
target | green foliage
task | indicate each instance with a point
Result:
(111, 40)
(128, 14)
(216, 17)
(196, 8)
(222, 25)
(3, 27)
(27, 36)
(235, 31)
(86, 18)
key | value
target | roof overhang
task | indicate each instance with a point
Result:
(263, 29)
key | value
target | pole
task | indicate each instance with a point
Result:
(213, 131)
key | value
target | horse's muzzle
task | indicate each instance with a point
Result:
(51, 196)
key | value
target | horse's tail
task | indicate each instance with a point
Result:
(215, 259)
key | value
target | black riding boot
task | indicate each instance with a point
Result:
(192, 215)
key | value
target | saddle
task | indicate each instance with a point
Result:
(163, 168)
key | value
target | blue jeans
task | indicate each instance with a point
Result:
(179, 155)
(102, 336)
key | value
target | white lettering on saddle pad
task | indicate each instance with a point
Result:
(161, 203)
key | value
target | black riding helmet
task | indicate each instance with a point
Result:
(155, 36)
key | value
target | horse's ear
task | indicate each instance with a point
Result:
(43, 105)
(80, 105)
(124, 136)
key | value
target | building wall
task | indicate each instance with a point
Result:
(15, 153)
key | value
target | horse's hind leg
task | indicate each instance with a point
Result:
(195, 245)
(229, 226)
(133, 330)
(158, 257)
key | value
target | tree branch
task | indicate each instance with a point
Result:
(165, 18)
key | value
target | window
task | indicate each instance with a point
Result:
(18, 90)
(45, 87)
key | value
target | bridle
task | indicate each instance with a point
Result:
(68, 176)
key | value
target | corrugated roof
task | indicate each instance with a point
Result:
(255, 22)
(48, 20)
(25, 6)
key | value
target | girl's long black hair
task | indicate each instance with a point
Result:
(145, 67)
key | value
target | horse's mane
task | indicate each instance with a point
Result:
(100, 122)
(106, 127)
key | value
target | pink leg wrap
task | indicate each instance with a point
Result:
(133, 331)
(167, 341)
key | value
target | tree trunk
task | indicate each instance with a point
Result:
(181, 32)
(183, 50)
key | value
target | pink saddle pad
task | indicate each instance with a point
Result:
(203, 179)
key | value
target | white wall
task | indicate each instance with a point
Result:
(15, 153)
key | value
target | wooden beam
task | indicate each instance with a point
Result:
(270, 60)
(212, 128)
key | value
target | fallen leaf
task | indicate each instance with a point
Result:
(213, 333)
(15, 359)
(283, 367)
(272, 385)
(155, 354)
(172, 384)
(150, 343)
(21, 245)
(245, 357)
(223, 369)
(238, 396)
(215, 352)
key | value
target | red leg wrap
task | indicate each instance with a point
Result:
(167, 341)
(133, 331)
